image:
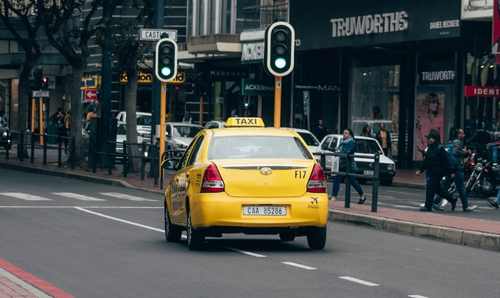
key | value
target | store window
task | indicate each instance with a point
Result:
(375, 104)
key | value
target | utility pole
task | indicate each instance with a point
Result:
(106, 122)
(155, 99)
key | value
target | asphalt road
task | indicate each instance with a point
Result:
(115, 248)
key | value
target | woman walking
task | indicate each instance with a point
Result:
(347, 146)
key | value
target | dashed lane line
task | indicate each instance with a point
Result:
(359, 281)
(77, 196)
(299, 266)
(24, 196)
(248, 253)
(417, 296)
(118, 195)
(120, 220)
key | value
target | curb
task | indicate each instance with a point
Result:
(82, 177)
(449, 235)
(408, 185)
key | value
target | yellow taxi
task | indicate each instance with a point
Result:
(246, 178)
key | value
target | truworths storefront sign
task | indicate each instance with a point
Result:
(327, 24)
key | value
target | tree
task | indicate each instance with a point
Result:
(13, 14)
(69, 27)
(129, 52)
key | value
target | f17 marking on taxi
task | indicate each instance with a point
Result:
(300, 174)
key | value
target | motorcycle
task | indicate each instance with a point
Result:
(482, 179)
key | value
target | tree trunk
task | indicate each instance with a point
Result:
(76, 112)
(24, 97)
(131, 104)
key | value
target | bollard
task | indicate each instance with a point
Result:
(32, 157)
(347, 202)
(375, 182)
(44, 148)
(110, 164)
(72, 158)
(154, 163)
(7, 152)
(143, 160)
(125, 159)
(59, 152)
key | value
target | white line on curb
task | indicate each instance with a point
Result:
(416, 296)
(359, 281)
(118, 195)
(248, 253)
(77, 196)
(24, 196)
(299, 265)
(120, 220)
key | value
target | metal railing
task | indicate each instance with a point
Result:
(348, 172)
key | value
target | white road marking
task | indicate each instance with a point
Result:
(76, 196)
(416, 296)
(299, 266)
(118, 195)
(248, 253)
(72, 207)
(120, 220)
(24, 196)
(359, 281)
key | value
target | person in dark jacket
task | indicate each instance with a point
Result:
(436, 166)
(320, 131)
(347, 146)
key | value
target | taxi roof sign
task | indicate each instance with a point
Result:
(244, 122)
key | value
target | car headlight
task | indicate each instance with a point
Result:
(390, 167)
(5, 134)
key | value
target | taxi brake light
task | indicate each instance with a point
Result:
(317, 181)
(212, 180)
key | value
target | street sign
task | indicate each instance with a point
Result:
(156, 34)
(90, 95)
(41, 93)
(180, 78)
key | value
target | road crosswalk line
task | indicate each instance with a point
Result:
(76, 196)
(118, 195)
(24, 196)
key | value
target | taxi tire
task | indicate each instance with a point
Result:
(316, 238)
(287, 236)
(172, 232)
(195, 238)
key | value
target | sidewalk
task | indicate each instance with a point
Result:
(473, 232)
(408, 178)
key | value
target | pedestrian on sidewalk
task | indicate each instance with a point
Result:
(347, 146)
(384, 138)
(435, 166)
(457, 154)
(59, 119)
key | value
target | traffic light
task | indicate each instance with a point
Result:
(44, 84)
(280, 49)
(166, 60)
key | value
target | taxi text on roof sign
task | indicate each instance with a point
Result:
(244, 122)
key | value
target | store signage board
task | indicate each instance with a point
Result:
(477, 9)
(156, 34)
(373, 22)
(481, 91)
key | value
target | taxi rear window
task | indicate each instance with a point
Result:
(257, 147)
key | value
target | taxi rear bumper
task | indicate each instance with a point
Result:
(223, 213)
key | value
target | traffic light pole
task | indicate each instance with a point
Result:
(163, 106)
(277, 101)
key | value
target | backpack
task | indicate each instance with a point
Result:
(452, 159)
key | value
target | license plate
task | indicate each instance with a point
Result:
(264, 210)
(368, 172)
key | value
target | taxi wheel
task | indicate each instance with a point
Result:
(287, 236)
(316, 238)
(172, 232)
(195, 238)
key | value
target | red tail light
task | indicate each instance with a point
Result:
(317, 181)
(212, 180)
